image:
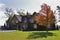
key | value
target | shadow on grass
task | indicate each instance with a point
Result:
(35, 35)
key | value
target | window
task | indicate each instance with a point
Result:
(16, 21)
(32, 20)
(35, 26)
(25, 20)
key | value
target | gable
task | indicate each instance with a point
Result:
(14, 18)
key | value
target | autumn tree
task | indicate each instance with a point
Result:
(36, 18)
(45, 16)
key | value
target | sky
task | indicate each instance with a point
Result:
(27, 5)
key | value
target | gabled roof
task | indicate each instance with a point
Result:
(17, 16)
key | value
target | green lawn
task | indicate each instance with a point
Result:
(30, 35)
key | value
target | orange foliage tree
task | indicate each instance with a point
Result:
(46, 16)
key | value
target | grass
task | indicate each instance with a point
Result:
(30, 35)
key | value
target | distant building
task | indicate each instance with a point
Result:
(24, 22)
(13, 22)
(21, 22)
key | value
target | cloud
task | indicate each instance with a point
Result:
(1, 10)
(31, 5)
(2, 19)
(2, 15)
(1, 5)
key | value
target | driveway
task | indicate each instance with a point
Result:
(7, 30)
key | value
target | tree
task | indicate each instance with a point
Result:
(58, 8)
(9, 12)
(36, 17)
(21, 12)
(45, 17)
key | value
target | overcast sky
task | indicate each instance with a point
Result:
(27, 5)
